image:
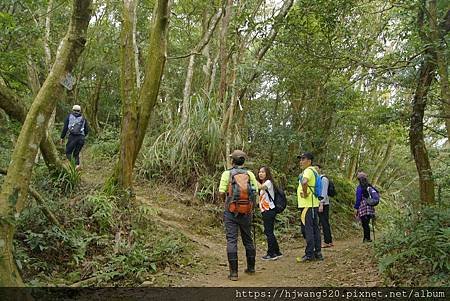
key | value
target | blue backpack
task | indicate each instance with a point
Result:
(317, 187)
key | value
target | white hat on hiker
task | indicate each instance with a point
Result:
(76, 108)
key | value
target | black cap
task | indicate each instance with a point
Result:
(307, 155)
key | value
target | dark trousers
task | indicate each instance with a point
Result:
(269, 222)
(324, 219)
(233, 224)
(365, 220)
(73, 147)
(311, 232)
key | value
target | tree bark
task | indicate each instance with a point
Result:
(128, 95)
(416, 136)
(138, 106)
(14, 107)
(15, 187)
(440, 48)
(223, 53)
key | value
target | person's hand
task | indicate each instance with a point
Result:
(62, 141)
(304, 194)
(321, 207)
(356, 213)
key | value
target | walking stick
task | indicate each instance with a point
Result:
(373, 227)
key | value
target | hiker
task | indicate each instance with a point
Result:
(308, 203)
(78, 129)
(267, 206)
(238, 188)
(363, 211)
(324, 210)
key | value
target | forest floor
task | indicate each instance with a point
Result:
(348, 263)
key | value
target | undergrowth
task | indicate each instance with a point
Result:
(414, 250)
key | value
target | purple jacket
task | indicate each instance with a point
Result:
(361, 205)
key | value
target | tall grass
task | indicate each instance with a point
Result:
(185, 152)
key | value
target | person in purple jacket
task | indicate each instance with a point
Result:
(363, 211)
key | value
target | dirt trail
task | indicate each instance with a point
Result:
(348, 263)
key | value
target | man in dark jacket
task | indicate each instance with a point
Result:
(78, 129)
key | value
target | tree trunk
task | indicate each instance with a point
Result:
(138, 107)
(440, 48)
(129, 96)
(190, 71)
(416, 136)
(15, 108)
(156, 60)
(382, 163)
(15, 187)
(354, 159)
(223, 53)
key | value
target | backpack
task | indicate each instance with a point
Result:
(374, 197)
(241, 196)
(76, 125)
(279, 200)
(331, 188)
(318, 186)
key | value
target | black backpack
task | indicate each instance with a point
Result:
(279, 201)
(331, 189)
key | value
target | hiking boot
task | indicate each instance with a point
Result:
(367, 240)
(279, 255)
(233, 270)
(269, 257)
(325, 245)
(307, 259)
(250, 266)
(78, 167)
(318, 256)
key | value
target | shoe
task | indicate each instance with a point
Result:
(78, 167)
(307, 259)
(279, 255)
(269, 257)
(233, 270)
(318, 256)
(327, 245)
(367, 240)
(250, 265)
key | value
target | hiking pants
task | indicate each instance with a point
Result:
(269, 221)
(243, 222)
(324, 219)
(311, 232)
(365, 220)
(73, 147)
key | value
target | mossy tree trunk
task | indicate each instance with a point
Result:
(14, 107)
(138, 105)
(15, 187)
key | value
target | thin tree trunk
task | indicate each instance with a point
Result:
(381, 165)
(15, 187)
(354, 159)
(223, 53)
(190, 71)
(48, 53)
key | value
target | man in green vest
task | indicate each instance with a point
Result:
(309, 204)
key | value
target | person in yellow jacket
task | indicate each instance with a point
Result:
(308, 204)
(234, 220)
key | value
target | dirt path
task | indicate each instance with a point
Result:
(348, 263)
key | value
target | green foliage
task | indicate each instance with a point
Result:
(106, 145)
(415, 250)
(67, 179)
(184, 152)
